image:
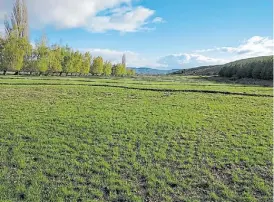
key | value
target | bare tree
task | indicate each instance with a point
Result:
(18, 20)
(124, 60)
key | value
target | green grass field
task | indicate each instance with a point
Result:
(88, 139)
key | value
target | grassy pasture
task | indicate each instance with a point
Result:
(62, 139)
(153, 82)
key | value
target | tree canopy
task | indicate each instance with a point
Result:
(257, 68)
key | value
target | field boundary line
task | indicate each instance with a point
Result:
(144, 89)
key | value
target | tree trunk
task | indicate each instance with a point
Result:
(5, 72)
(60, 73)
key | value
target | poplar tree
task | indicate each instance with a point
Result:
(18, 23)
(42, 56)
(71, 62)
(119, 70)
(2, 46)
(30, 61)
(14, 51)
(107, 68)
(124, 60)
(86, 58)
(97, 66)
(77, 62)
(55, 59)
(66, 57)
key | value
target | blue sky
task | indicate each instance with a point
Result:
(160, 34)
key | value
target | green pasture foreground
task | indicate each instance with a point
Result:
(61, 140)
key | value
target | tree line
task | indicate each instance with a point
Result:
(257, 68)
(18, 55)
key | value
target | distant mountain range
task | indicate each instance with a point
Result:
(151, 71)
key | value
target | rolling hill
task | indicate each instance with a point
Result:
(215, 69)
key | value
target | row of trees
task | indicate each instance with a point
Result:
(18, 55)
(257, 69)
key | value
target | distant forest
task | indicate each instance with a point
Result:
(257, 68)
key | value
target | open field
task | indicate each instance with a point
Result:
(166, 83)
(91, 139)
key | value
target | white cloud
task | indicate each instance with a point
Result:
(188, 60)
(127, 20)
(253, 47)
(92, 15)
(158, 20)
(256, 46)
(133, 59)
(68, 13)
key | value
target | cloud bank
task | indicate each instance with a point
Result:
(253, 47)
(91, 15)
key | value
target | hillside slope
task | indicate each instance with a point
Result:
(203, 70)
(244, 64)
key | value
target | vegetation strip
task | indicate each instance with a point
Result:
(256, 68)
(146, 89)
